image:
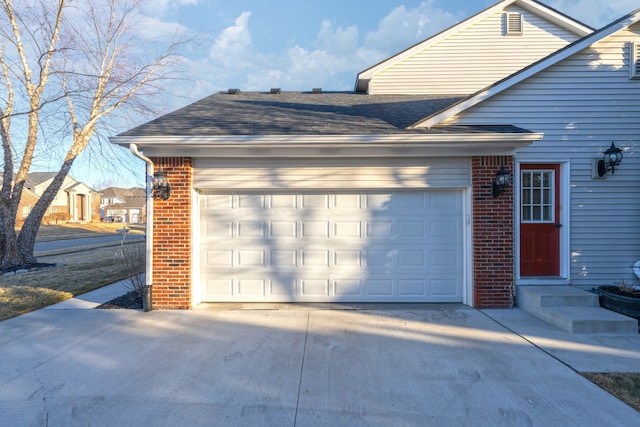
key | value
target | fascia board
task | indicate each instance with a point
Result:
(459, 144)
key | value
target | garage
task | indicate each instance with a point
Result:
(325, 197)
(326, 246)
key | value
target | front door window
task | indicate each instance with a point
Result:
(537, 196)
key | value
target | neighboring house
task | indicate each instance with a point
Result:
(283, 196)
(75, 202)
(123, 205)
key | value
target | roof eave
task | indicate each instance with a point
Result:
(271, 146)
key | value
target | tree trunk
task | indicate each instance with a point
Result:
(17, 250)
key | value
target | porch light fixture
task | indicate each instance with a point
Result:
(161, 187)
(612, 158)
(502, 181)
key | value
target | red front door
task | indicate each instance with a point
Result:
(539, 220)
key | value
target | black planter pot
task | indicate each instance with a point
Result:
(146, 298)
(609, 299)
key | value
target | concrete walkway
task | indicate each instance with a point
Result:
(297, 365)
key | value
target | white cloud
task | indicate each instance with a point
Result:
(162, 6)
(332, 61)
(337, 39)
(595, 13)
(404, 27)
(233, 47)
(152, 28)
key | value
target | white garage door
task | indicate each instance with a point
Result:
(396, 246)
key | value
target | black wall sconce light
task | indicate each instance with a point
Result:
(161, 186)
(502, 181)
(612, 158)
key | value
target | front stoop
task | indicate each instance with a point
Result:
(573, 310)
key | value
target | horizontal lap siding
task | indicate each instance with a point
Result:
(581, 105)
(472, 59)
(342, 174)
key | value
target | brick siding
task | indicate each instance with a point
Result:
(172, 252)
(493, 255)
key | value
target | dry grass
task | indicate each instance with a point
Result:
(82, 272)
(624, 386)
(55, 232)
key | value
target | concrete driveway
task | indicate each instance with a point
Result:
(387, 365)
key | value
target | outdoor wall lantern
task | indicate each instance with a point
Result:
(612, 158)
(502, 181)
(161, 187)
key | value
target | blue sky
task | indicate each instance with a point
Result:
(298, 45)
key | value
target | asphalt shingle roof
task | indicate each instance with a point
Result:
(295, 113)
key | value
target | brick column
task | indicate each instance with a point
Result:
(172, 252)
(493, 254)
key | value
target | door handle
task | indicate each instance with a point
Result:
(557, 225)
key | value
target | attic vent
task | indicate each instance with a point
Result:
(233, 91)
(513, 24)
(316, 90)
(275, 91)
(634, 60)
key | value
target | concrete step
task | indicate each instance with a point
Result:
(573, 310)
(546, 296)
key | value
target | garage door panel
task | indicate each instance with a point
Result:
(311, 229)
(252, 287)
(280, 229)
(219, 287)
(314, 287)
(412, 288)
(347, 287)
(376, 246)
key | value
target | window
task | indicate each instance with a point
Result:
(634, 60)
(26, 210)
(513, 24)
(537, 196)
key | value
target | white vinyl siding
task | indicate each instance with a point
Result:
(472, 59)
(336, 173)
(581, 105)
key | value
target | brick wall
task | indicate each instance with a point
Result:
(493, 257)
(172, 237)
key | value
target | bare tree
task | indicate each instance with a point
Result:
(66, 65)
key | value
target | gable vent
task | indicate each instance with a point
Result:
(513, 24)
(634, 60)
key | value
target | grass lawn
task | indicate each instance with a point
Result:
(81, 272)
(48, 233)
(624, 386)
